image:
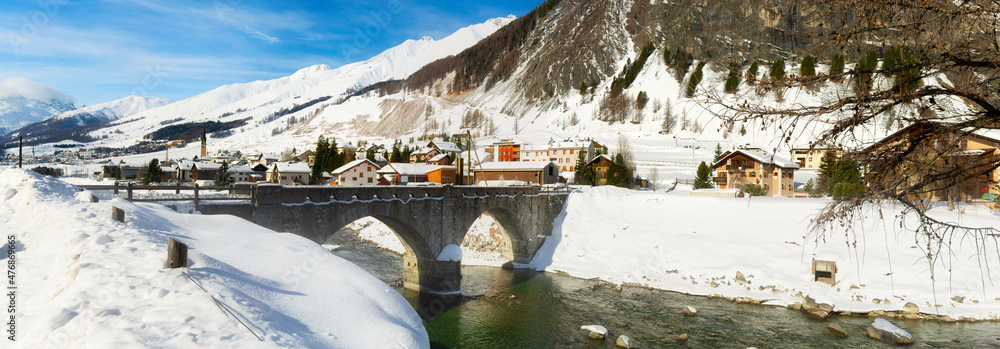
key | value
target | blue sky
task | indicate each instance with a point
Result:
(102, 50)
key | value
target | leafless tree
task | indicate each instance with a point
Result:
(943, 75)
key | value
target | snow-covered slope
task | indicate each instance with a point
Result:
(73, 123)
(86, 281)
(260, 103)
(18, 111)
(117, 109)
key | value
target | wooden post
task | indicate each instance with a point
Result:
(177, 191)
(128, 193)
(116, 188)
(177, 254)
(93, 198)
(118, 214)
(195, 195)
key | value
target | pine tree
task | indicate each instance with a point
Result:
(641, 100)
(322, 153)
(583, 174)
(396, 153)
(118, 172)
(837, 65)
(752, 72)
(222, 175)
(808, 67)
(827, 165)
(777, 70)
(695, 80)
(153, 173)
(743, 130)
(703, 177)
(718, 153)
(733, 81)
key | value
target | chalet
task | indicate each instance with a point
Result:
(128, 171)
(190, 171)
(357, 172)
(809, 159)
(538, 172)
(290, 173)
(600, 165)
(348, 151)
(432, 149)
(741, 167)
(440, 159)
(307, 156)
(945, 148)
(220, 158)
(403, 174)
(264, 159)
(246, 173)
(423, 155)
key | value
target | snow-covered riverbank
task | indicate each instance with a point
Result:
(84, 280)
(696, 244)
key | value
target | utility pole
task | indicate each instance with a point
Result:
(20, 150)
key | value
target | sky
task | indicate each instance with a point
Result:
(100, 50)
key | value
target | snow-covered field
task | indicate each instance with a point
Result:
(85, 280)
(681, 242)
(695, 244)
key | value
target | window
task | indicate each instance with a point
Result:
(753, 174)
(369, 179)
(571, 151)
(354, 178)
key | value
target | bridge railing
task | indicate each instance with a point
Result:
(236, 192)
(271, 194)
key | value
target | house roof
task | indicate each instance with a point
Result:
(292, 167)
(444, 146)
(599, 157)
(405, 169)
(351, 165)
(759, 156)
(202, 166)
(241, 169)
(438, 157)
(513, 166)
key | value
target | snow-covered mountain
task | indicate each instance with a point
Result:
(18, 111)
(74, 123)
(261, 106)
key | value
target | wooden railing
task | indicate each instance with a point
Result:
(131, 187)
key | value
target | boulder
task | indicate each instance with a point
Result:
(689, 311)
(740, 279)
(817, 314)
(836, 331)
(683, 337)
(809, 305)
(885, 331)
(597, 332)
(910, 308)
(624, 342)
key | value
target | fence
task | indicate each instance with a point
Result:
(242, 192)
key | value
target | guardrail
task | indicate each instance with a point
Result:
(130, 188)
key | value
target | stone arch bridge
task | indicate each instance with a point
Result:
(426, 219)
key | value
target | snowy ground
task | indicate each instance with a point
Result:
(695, 244)
(677, 241)
(85, 280)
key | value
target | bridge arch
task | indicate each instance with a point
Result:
(514, 243)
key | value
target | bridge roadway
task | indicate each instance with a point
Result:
(426, 219)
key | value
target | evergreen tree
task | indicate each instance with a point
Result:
(703, 177)
(695, 80)
(641, 100)
(733, 81)
(320, 158)
(743, 130)
(396, 154)
(752, 72)
(619, 174)
(153, 173)
(718, 153)
(335, 159)
(827, 165)
(777, 70)
(583, 174)
(837, 65)
(808, 67)
(846, 179)
(118, 172)
(222, 176)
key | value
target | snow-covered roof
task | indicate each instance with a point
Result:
(203, 166)
(445, 146)
(351, 165)
(241, 169)
(569, 145)
(599, 157)
(762, 157)
(513, 166)
(438, 157)
(292, 167)
(410, 169)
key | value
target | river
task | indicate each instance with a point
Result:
(527, 309)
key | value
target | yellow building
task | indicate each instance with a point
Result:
(741, 167)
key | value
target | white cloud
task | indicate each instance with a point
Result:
(20, 86)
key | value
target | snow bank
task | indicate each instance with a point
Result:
(85, 280)
(697, 244)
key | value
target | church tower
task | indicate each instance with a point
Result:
(204, 142)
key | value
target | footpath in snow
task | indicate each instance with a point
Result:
(698, 244)
(85, 280)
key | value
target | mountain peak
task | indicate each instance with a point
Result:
(426, 38)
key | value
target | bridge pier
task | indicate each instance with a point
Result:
(431, 276)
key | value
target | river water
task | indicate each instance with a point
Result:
(527, 309)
